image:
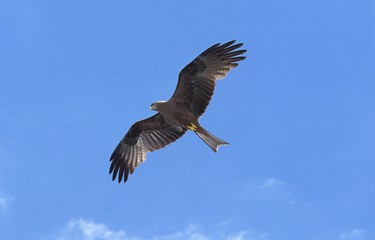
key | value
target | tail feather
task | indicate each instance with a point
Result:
(212, 141)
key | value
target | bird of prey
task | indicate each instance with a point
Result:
(195, 87)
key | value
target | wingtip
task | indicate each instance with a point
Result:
(230, 42)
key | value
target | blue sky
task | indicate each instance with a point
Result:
(299, 113)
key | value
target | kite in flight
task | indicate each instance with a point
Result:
(195, 87)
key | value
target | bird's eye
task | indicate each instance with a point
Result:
(152, 104)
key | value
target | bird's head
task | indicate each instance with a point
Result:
(155, 106)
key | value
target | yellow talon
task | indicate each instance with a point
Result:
(192, 127)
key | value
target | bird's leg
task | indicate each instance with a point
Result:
(192, 126)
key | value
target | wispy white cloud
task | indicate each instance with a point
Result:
(275, 191)
(5, 201)
(257, 187)
(247, 235)
(194, 232)
(354, 234)
(269, 188)
(270, 183)
(191, 232)
(82, 229)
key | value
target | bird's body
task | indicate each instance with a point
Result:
(175, 113)
(180, 113)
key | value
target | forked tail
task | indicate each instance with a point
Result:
(212, 141)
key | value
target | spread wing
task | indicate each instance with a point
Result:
(196, 82)
(143, 136)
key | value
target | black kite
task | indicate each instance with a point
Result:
(196, 83)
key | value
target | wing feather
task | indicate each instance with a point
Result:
(143, 136)
(196, 82)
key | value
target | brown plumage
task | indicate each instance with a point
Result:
(196, 84)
